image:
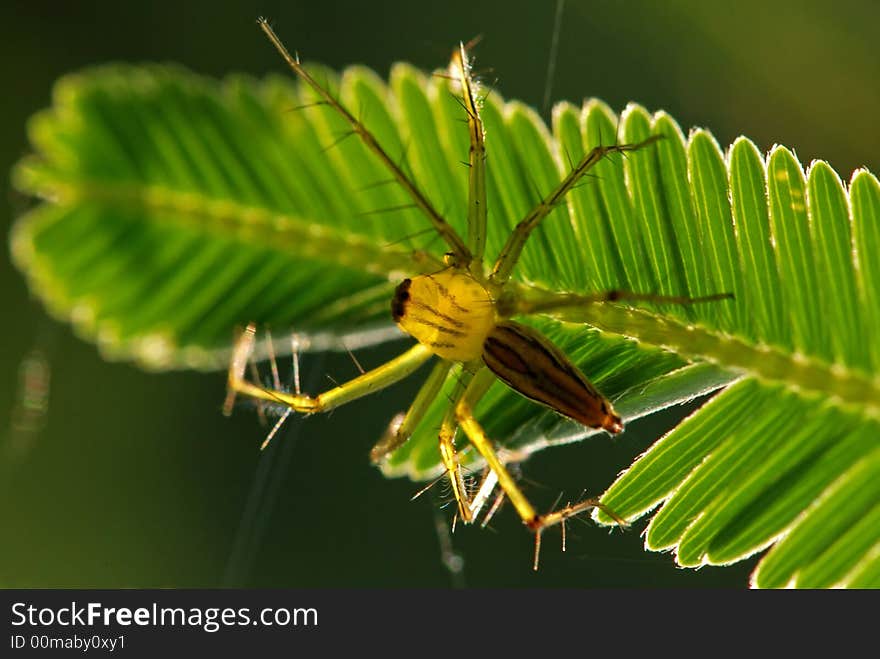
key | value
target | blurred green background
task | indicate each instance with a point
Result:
(134, 479)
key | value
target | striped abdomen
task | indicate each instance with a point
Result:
(531, 365)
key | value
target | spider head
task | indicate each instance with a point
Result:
(450, 312)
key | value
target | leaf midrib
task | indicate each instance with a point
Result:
(228, 217)
(848, 388)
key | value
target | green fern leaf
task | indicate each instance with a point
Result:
(176, 208)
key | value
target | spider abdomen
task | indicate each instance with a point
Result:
(450, 312)
(530, 364)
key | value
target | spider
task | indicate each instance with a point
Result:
(463, 314)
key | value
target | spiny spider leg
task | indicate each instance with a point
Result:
(487, 486)
(513, 248)
(370, 382)
(477, 388)
(476, 218)
(276, 381)
(460, 251)
(401, 429)
(273, 364)
(499, 499)
(448, 454)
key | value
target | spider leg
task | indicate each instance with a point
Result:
(477, 436)
(496, 504)
(487, 487)
(367, 383)
(460, 69)
(459, 249)
(468, 507)
(401, 429)
(448, 454)
(513, 248)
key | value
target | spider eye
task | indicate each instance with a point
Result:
(398, 302)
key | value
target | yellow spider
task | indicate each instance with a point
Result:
(462, 314)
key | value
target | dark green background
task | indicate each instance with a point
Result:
(137, 480)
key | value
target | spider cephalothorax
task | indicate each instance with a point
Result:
(449, 311)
